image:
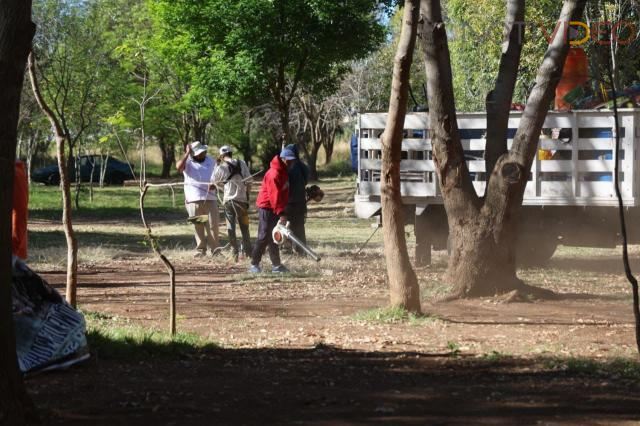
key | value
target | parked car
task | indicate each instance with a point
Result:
(117, 171)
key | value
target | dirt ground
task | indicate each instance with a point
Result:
(309, 348)
(294, 350)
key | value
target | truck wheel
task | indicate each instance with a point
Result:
(534, 251)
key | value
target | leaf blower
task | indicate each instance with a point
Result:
(282, 232)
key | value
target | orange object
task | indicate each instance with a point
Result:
(19, 212)
(575, 73)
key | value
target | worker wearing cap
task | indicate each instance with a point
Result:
(200, 195)
(234, 177)
(272, 202)
(297, 205)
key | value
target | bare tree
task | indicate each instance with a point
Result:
(62, 138)
(403, 284)
(321, 120)
(16, 32)
(483, 232)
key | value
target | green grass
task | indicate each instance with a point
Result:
(116, 338)
(110, 202)
(623, 368)
(391, 315)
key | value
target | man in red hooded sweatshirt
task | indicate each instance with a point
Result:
(272, 202)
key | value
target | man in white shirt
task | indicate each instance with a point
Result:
(200, 195)
(233, 175)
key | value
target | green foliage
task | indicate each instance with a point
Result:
(248, 47)
(476, 29)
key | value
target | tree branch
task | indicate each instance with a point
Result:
(499, 99)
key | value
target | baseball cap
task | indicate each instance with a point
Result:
(226, 149)
(287, 154)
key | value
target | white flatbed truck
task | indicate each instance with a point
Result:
(570, 197)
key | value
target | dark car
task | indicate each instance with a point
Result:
(117, 171)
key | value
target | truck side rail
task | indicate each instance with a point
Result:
(574, 165)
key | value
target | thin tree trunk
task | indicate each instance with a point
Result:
(168, 157)
(403, 284)
(328, 147)
(61, 140)
(16, 32)
(313, 162)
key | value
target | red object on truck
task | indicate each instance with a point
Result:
(19, 212)
(574, 74)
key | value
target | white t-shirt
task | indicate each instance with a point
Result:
(196, 180)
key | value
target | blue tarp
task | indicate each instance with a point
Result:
(354, 153)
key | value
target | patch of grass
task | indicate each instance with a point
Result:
(390, 315)
(116, 338)
(615, 368)
(494, 356)
(454, 348)
(108, 203)
(337, 168)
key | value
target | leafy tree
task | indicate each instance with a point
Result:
(476, 32)
(252, 50)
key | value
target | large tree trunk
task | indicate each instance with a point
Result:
(483, 233)
(16, 32)
(61, 140)
(403, 284)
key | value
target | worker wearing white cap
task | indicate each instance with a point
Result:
(233, 175)
(200, 195)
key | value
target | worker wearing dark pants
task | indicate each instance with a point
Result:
(297, 206)
(271, 203)
(296, 213)
(236, 211)
(267, 220)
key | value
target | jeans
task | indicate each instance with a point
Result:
(267, 220)
(236, 211)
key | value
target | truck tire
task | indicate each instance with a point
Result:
(535, 251)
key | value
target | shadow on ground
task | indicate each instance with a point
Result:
(127, 383)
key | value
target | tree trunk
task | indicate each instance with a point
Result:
(403, 284)
(61, 140)
(16, 32)
(313, 162)
(483, 233)
(168, 157)
(328, 147)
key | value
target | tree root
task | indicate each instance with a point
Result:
(517, 292)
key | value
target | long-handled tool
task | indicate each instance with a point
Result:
(282, 232)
